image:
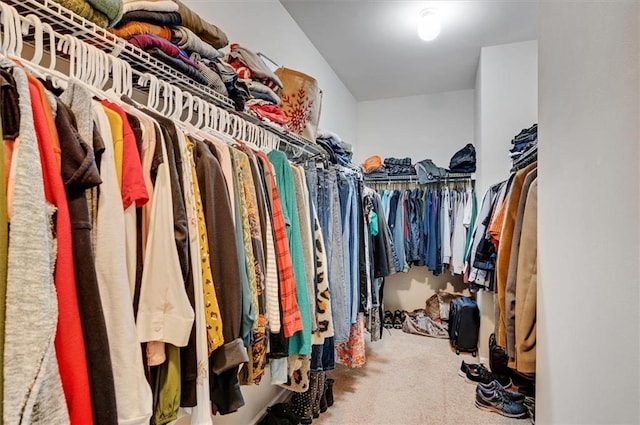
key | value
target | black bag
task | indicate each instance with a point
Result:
(464, 161)
(464, 325)
(280, 414)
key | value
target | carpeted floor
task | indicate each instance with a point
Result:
(408, 380)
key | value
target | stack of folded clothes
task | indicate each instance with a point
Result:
(525, 141)
(262, 83)
(103, 13)
(174, 34)
(339, 151)
(399, 167)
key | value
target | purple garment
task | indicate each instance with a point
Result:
(148, 41)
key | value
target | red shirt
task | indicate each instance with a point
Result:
(69, 341)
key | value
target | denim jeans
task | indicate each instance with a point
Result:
(337, 271)
(323, 357)
(354, 250)
(346, 208)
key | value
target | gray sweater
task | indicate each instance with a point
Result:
(32, 386)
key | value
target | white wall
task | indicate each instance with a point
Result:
(265, 26)
(431, 126)
(588, 356)
(506, 102)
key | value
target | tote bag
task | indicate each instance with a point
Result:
(301, 100)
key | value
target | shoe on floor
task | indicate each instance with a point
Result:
(497, 402)
(511, 395)
(464, 367)
(479, 374)
(398, 319)
(387, 322)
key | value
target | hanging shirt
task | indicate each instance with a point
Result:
(133, 395)
(300, 342)
(70, 349)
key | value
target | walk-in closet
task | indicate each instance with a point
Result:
(319, 212)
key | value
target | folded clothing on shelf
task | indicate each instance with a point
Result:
(331, 145)
(84, 9)
(261, 91)
(163, 19)
(134, 28)
(112, 9)
(186, 39)
(209, 33)
(264, 109)
(150, 5)
(240, 57)
(178, 64)
(399, 167)
(146, 42)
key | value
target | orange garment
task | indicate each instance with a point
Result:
(69, 340)
(134, 28)
(510, 210)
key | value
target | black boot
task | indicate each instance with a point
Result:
(499, 362)
(316, 386)
(301, 406)
(323, 394)
(329, 391)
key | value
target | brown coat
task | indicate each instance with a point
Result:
(526, 286)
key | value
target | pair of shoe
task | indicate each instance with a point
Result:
(494, 398)
(393, 320)
(477, 373)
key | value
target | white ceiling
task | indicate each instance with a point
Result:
(374, 48)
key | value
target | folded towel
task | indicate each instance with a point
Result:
(112, 9)
(186, 39)
(135, 28)
(209, 33)
(239, 56)
(84, 9)
(163, 19)
(150, 5)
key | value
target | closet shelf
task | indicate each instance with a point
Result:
(64, 21)
(414, 178)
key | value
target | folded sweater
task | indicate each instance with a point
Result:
(135, 28)
(163, 19)
(186, 39)
(150, 5)
(203, 29)
(85, 10)
(239, 56)
(112, 9)
(146, 42)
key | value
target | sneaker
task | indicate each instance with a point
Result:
(387, 322)
(464, 367)
(478, 374)
(511, 395)
(497, 402)
(398, 319)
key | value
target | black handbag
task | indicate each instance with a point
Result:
(464, 161)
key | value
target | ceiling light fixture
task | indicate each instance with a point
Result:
(429, 25)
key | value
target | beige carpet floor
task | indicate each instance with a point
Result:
(408, 379)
